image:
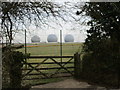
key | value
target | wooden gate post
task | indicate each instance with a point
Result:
(77, 67)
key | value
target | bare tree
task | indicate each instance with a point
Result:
(17, 14)
(14, 14)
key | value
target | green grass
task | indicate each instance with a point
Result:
(53, 49)
(49, 49)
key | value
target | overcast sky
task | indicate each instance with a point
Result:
(73, 24)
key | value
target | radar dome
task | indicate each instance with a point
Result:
(35, 39)
(52, 38)
(69, 38)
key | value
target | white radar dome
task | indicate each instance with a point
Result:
(69, 38)
(52, 38)
(35, 39)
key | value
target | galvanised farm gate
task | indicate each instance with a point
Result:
(49, 67)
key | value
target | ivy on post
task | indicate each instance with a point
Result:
(12, 62)
(77, 66)
(15, 69)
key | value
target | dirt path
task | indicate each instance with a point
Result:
(69, 83)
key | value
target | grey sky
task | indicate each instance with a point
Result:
(71, 25)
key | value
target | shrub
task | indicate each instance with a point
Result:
(102, 66)
(12, 63)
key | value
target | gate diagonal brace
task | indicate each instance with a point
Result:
(41, 63)
(34, 68)
(62, 66)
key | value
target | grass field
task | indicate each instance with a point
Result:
(49, 49)
(44, 49)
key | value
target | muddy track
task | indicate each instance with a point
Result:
(70, 83)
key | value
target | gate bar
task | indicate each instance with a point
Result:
(50, 57)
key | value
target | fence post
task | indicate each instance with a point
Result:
(77, 67)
